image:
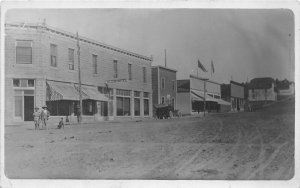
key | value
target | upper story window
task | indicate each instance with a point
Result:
(23, 52)
(144, 75)
(163, 83)
(53, 55)
(71, 59)
(115, 68)
(95, 71)
(129, 71)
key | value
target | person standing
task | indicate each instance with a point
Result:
(45, 116)
(36, 117)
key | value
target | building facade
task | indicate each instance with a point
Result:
(234, 93)
(41, 67)
(262, 90)
(164, 85)
(190, 95)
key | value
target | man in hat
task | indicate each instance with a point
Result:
(45, 116)
(36, 117)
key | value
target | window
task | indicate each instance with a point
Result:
(144, 75)
(129, 71)
(146, 107)
(89, 107)
(162, 100)
(173, 102)
(53, 55)
(95, 64)
(123, 102)
(23, 52)
(137, 103)
(115, 68)
(71, 59)
(173, 85)
(23, 83)
(163, 83)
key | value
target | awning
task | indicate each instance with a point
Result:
(61, 91)
(199, 96)
(221, 101)
(90, 92)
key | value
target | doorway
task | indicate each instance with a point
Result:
(28, 108)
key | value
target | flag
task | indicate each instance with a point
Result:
(201, 66)
(212, 67)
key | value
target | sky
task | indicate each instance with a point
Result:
(241, 43)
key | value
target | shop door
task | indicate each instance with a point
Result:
(28, 108)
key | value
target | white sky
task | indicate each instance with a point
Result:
(241, 43)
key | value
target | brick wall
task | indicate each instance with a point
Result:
(155, 85)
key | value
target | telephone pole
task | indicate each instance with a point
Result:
(79, 81)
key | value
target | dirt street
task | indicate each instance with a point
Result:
(246, 145)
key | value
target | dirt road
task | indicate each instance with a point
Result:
(256, 145)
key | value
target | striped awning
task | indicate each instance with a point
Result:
(199, 96)
(61, 91)
(91, 92)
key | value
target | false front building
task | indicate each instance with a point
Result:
(190, 96)
(41, 68)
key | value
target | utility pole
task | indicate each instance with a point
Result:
(79, 80)
(204, 96)
(204, 80)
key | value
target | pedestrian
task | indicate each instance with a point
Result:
(45, 116)
(61, 124)
(36, 117)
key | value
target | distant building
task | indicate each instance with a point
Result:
(164, 85)
(285, 87)
(234, 93)
(190, 96)
(41, 68)
(262, 89)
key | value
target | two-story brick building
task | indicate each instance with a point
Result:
(41, 67)
(164, 85)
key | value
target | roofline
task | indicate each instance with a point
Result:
(73, 36)
(236, 83)
(207, 80)
(159, 66)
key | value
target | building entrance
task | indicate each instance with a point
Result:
(28, 108)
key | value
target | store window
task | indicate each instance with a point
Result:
(89, 107)
(137, 110)
(53, 55)
(146, 104)
(71, 59)
(123, 102)
(23, 52)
